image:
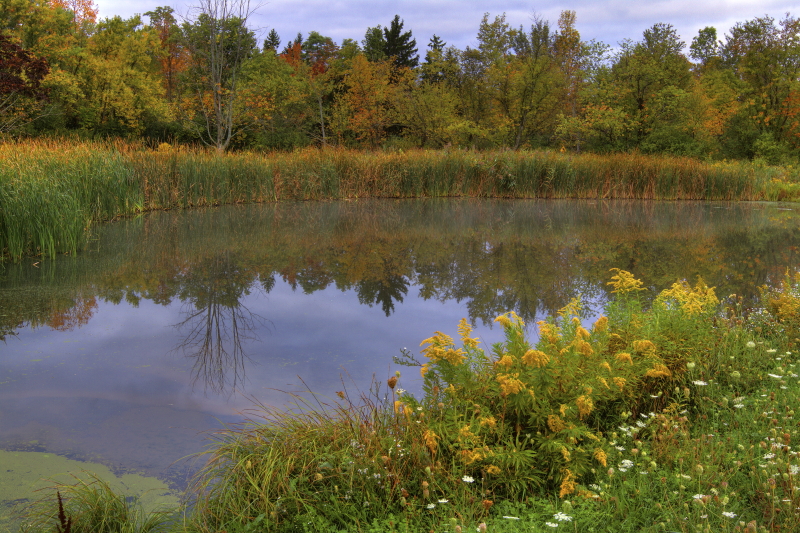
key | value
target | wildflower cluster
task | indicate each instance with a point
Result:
(556, 394)
(696, 301)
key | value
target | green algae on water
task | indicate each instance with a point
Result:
(25, 476)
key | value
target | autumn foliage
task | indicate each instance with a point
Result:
(541, 86)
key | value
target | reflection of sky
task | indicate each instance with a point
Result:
(116, 389)
(119, 389)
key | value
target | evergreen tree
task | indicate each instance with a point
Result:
(436, 43)
(401, 47)
(374, 44)
(273, 40)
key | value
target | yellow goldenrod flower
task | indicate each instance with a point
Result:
(555, 423)
(600, 456)
(430, 439)
(619, 382)
(471, 456)
(581, 333)
(424, 370)
(624, 357)
(585, 405)
(504, 321)
(509, 384)
(605, 365)
(572, 309)
(492, 469)
(548, 332)
(624, 282)
(584, 347)
(398, 406)
(644, 347)
(535, 358)
(442, 348)
(454, 357)
(693, 301)
(659, 371)
(464, 328)
(489, 421)
(506, 362)
(604, 382)
(568, 483)
(565, 454)
(601, 325)
(471, 342)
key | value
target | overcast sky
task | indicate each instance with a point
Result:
(456, 21)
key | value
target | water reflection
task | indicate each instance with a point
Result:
(255, 296)
(216, 324)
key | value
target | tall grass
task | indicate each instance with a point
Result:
(91, 506)
(51, 192)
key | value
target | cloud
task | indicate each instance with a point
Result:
(457, 21)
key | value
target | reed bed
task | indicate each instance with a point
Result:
(51, 192)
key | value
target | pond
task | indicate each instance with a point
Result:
(172, 324)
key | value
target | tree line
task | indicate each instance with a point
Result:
(207, 79)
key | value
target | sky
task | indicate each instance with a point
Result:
(457, 21)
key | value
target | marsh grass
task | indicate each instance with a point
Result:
(91, 506)
(326, 466)
(53, 191)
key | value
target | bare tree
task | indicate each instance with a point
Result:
(219, 42)
(215, 337)
(217, 326)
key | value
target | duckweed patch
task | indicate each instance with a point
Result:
(26, 476)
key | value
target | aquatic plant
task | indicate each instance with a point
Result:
(91, 506)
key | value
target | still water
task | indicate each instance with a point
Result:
(172, 324)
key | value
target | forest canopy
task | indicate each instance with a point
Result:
(212, 80)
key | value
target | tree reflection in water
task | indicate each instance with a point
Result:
(491, 255)
(217, 326)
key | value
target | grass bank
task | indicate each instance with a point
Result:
(51, 192)
(675, 415)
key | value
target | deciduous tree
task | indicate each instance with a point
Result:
(174, 55)
(220, 43)
(21, 90)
